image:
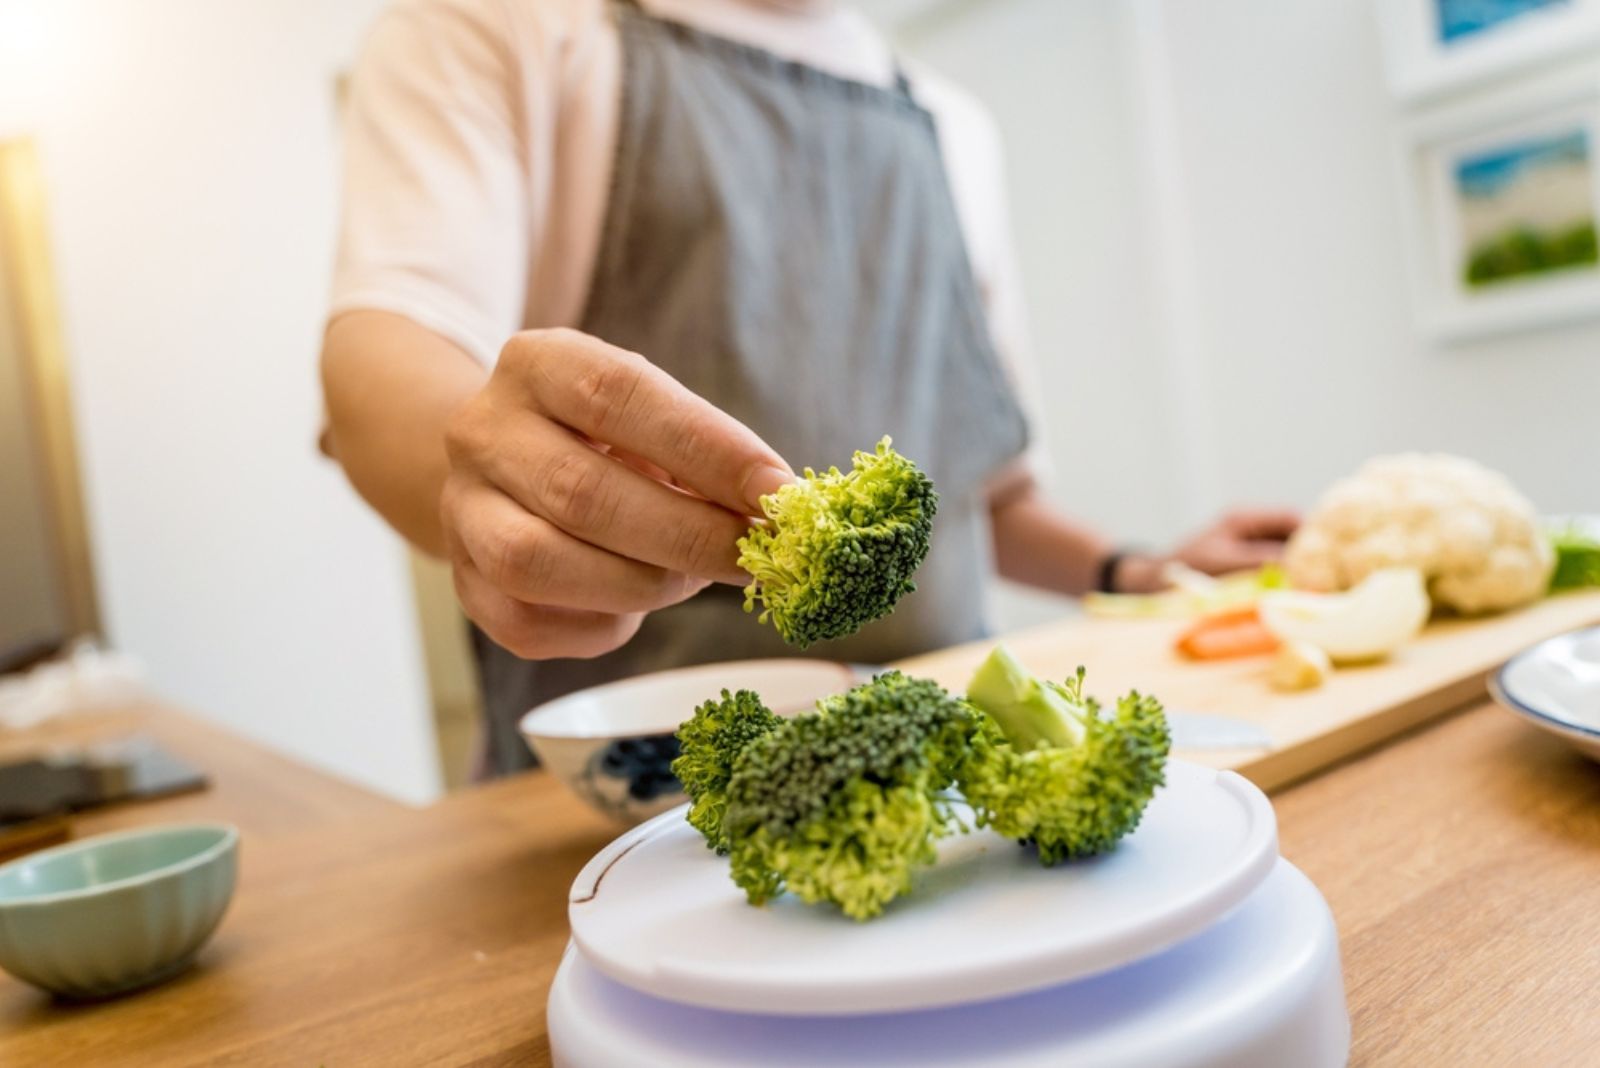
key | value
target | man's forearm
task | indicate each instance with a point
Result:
(1037, 545)
(390, 387)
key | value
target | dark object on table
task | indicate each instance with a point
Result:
(24, 655)
(24, 836)
(69, 780)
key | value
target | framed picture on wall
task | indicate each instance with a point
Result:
(1504, 194)
(1439, 46)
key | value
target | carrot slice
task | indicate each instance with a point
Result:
(1237, 632)
(1244, 613)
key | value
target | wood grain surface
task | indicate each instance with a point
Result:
(1461, 862)
(1357, 708)
(265, 794)
(409, 937)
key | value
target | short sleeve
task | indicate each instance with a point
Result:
(435, 217)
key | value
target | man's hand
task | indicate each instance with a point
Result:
(585, 488)
(1036, 544)
(1239, 541)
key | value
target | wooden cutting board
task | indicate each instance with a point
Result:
(1358, 707)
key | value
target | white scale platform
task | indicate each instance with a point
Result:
(1192, 943)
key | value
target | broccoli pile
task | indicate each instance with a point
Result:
(844, 804)
(838, 549)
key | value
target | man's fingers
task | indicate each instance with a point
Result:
(620, 398)
(1253, 553)
(601, 500)
(531, 560)
(539, 632)
(1263, 524)
(641, 465)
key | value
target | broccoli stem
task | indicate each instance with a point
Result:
(1031, 714)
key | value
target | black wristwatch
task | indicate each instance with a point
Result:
(1106, 578)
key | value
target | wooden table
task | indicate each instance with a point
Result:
(266, 795)
(1462, 863)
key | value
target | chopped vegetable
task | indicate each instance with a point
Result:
(709, 743)
(1192, 594)
(1225, 635)
(1031, 714)
(845, 804)
(1368, 622)
(1299, 666)
(838, 549)
(1059, 773)
(1577, 559)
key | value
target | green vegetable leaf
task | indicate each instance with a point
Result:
(1577, 560)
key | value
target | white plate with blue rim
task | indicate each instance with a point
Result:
(1555, 685)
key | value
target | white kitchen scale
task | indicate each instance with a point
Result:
(1192, 943)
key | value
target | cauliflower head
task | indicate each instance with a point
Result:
(1477, 541)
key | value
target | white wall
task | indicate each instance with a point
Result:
(1314, 361)
(1209, 222)
(189, 150)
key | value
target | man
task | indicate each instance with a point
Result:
(607, 268)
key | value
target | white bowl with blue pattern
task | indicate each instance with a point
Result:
(613, 745)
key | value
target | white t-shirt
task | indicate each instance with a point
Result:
(479, 142)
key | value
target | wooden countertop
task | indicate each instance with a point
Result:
(265, 794)
(1460, 861)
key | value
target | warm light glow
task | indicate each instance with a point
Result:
(31, 61)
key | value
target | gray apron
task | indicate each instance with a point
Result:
(784, 243)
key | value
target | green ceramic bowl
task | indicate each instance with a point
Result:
(115, 912)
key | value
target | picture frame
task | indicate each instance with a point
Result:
(1502, 195)
(1435, 47)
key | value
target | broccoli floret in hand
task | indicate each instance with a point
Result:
(838, 549)
(1058, 772)
(710, 742)
(846, 803)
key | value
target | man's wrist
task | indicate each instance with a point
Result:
(1134, 572)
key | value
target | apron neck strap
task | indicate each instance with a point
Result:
(902, 84)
